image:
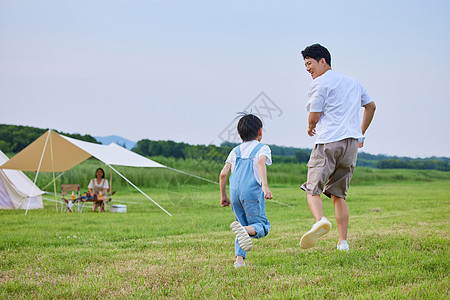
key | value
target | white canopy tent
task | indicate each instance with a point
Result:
(15, 188)
(53, 152)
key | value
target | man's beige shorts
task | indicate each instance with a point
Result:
(330, 168)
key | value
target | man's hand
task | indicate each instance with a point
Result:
(313, 118)
(311, 132)
(361, 144)
(225, 201)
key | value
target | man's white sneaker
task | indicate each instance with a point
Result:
(242, 236)
(310, 238)
(238, 265)
(343, 246)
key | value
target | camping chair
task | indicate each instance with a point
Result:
(72, 191)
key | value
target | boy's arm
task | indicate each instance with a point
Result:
(224, 200)
(263, 174)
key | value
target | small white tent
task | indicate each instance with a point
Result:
(16, 189)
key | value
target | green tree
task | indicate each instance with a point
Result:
(302, 156)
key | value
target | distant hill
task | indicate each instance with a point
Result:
(106, 140)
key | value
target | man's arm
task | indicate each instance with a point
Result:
(369, 111)
(224, 200)
(263, 174)
(313, 119)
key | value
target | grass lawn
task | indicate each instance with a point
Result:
(398, 237)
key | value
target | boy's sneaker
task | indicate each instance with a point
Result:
(242, 236)
(238, 265)
(310, 238)
(343, 246)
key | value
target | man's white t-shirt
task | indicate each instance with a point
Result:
(246, 149)
(339, 98)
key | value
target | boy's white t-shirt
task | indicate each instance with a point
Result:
(246, 148)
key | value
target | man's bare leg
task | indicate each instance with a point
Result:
(315, 206)
(321, 227)
(341, 212)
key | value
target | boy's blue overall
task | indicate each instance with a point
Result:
(247, 197)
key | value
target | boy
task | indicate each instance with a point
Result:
(248, 186)
(334, 104)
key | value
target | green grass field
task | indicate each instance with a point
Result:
(398, 234)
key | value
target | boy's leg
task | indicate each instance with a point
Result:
(238, 251)
(255, 212)
(240, 217)
(259, 228)
(341, 212)
(250, 230)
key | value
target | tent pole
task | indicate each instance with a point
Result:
(53, 170)
(139, 190)
(110, 183)
(37, 173)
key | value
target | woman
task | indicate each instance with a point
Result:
(98, 188)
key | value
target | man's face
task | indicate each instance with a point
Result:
(316, 68)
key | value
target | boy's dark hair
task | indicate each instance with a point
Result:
(103, 176)
(317, 52)
(248, 127)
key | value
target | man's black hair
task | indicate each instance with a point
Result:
(317, 52)
(248, 127)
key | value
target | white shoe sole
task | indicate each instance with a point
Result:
(310, 238)
(242, 236)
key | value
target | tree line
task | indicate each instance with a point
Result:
(212, 152)
(418, 164)
(14, 138)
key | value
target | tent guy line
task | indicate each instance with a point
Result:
(132, 184)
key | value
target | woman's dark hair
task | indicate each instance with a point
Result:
(317, 52)
(103, 176)
(248, 127)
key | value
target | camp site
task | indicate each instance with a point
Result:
(173, 239)
(224, 149)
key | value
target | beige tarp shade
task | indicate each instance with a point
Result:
(65, 155)
(68, 152)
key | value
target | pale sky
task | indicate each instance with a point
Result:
(181, 70)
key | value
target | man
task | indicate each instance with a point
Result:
(334, 104)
